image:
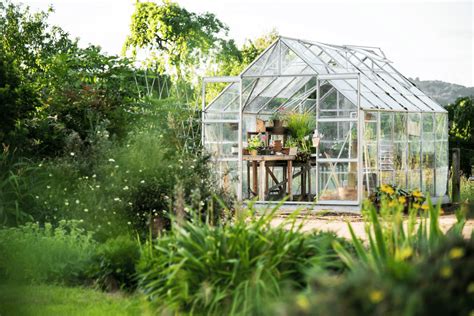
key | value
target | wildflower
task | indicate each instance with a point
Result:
(93, 176)
(77, 201)
(417, 194)
(66, 203)
(391, 203)
(456, 253)
(108, 223)
(376, 296)
(129, 223)
(425, 207)
(446, 272)
(111, 160)
(86, 210)
(116, 166)
(416, 206)
(143, 181)
(302, 302)
(72, 154)
(402, 199)
(125, 188)
(116, 199)
(37, 197)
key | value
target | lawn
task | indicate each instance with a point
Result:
(59, 300)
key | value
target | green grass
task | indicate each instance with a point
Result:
(58, 300)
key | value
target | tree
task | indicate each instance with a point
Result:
(178, 41)
(461, 132)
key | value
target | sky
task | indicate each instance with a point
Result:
(430, 40)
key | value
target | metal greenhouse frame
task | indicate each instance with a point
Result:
(376, 126)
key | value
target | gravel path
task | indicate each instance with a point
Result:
(338, 224)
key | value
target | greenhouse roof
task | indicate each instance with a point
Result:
(288, 65)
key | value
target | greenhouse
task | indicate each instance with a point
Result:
(313, 122)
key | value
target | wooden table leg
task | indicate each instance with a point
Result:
(261, 187)
(254, 180)
(290, 179)
(309, 182)
(285, 174)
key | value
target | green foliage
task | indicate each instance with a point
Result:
(113, 265)
(461, 132)
(438, 284)
(36, 254)
(178, 40)
(55, 95)
(393, 244)
(232, 268)
(47, 300)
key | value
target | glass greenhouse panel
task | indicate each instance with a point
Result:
(441, 153)
(387, 148)
(400, 154)
(414, 150)
(339, 139)
(228, 100)
(369, 154)
(428, 154)
(221, 139)
(266, 64)
(226, 176)
(337, 181)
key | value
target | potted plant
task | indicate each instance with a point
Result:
(300, 126)
(277, 118)
(292, 144)
(254, 144)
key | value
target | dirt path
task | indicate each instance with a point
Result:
(338, 224)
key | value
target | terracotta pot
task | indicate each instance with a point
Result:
(277, 146)
(277, 123)
(261, 126)
(253, 152)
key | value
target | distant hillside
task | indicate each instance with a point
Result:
(443, 92)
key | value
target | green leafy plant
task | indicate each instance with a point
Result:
(36, 254)
(392, 244)
(113, 265)
(230, 269)
(255, 142)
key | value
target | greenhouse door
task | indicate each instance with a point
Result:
(337, 157)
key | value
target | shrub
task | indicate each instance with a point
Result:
(113, 265)
(36, 254)
(230, 269)
(438, 284)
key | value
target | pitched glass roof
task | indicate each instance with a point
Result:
(281, 75)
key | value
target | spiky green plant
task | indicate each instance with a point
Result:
(394, 240)
(230, 269)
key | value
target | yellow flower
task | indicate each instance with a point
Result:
(390, 191)
(391, 203)
(416, 205)
(302, 302)
(425, 207)
(376, 296)
(417, 194)
(446, 272)
(402, 199)
(470, 288)
(404, 253)
(456, 253)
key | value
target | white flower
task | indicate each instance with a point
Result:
(72, 154)
(48, 187)
(37, 197)
(111, 160)
(66, 203)
(77, 201)
(93, 176)
(116, 199)
(143, 181)
(116, 166)
(108, 223)
(86, 210)
(129, 223)
(125, 188)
